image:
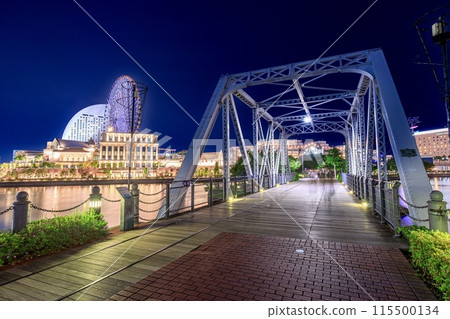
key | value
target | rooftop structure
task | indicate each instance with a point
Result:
(89, 123)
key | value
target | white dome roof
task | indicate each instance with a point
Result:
(96, 110)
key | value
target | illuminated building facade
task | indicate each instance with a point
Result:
(114, 153)
(69, 154)
(433, 143)
(87, 124)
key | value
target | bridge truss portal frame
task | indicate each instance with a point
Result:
(373, 109)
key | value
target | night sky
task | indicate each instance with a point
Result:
(54, 60)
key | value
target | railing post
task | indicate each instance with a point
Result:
(366, 187)
(361, 188)
(253, 186)
(95, 200)
(135, 194)
(437, 212)
(210, 194)
(245, 186)
(21, 208)
(373, 199)
(235, 187)
(395, 208)
(167, 201)
(224, 193)
(192, 196)
(382, 202)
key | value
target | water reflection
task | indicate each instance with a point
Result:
(62, 197)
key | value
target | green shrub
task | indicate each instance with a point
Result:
(430, 253)
(47, 236)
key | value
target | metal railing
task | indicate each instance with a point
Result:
(381, 197)
(199, 193)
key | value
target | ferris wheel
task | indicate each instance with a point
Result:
(124, 109)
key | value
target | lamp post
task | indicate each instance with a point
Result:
(135, 92)
(95, 200)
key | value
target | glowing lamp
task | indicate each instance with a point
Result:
(95, 199)
(307, 119)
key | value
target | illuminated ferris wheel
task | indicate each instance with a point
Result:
(124, 110)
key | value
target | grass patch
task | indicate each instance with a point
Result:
(430, 255)
(48, 236)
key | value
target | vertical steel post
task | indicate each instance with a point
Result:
(395, 209)
(210, 194)
(226, 144)
(192, 195)
(374, 195)
(382, 202)
(135, 194)
(167, 200)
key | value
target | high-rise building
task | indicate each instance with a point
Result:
(87, 124)
(433, 143)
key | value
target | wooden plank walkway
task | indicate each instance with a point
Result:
(319, 210)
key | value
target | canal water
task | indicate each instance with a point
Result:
(62, 197)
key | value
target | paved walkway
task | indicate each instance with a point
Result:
(241, 250)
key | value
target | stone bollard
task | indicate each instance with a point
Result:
(21, 207)
(95, 200)
(135, 194)
(437, 212)
(126, 209)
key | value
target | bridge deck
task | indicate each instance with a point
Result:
(346, 255)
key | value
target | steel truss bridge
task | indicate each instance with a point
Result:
(312, 97)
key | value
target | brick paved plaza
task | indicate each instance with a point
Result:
(235, 266)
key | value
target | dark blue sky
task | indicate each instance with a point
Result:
(55, 61)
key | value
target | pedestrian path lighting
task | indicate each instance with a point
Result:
(95, 199)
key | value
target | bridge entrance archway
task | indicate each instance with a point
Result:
(352, 94)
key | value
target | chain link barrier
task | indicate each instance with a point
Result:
(415, 206)
(111, 200)
(149, 211)
(142, 193)
(150, 203)
(59, 210)
(412, 205)
(6, 210)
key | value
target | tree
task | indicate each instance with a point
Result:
(391, 165)
(216, 169)
(238, 169)
(19, 158)
(333, 159)
(428, 166)
(295, 164)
